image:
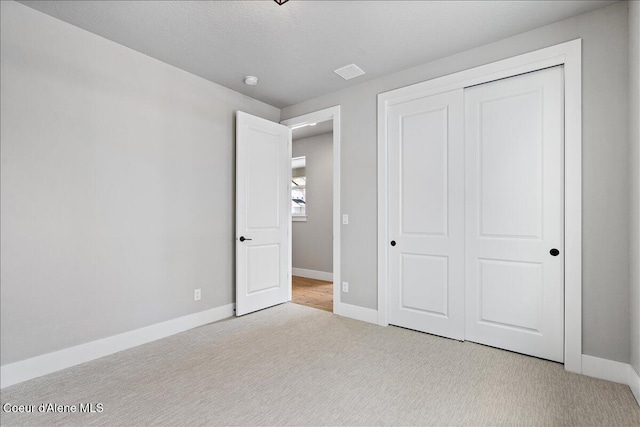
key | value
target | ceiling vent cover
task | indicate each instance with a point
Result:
(349, 71)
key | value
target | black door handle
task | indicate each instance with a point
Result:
(242, 238)
(554, 252)
(393, 243)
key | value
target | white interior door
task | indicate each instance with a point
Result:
(514, 132)
(263, 173)
(426, 214)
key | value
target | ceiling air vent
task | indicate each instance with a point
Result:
(349, 71)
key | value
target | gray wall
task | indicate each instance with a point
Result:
(117, 182)
(634, 177)
(117, 187)
(605, 167)
(313, 240)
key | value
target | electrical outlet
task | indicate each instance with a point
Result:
(197, 294)
(345, 287)
(345, 219)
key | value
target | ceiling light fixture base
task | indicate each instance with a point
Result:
(251, 80)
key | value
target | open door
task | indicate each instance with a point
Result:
(263, 174)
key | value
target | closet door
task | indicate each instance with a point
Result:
(514, 214)
(426, 214)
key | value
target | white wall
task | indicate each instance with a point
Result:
(313, 239)
(117, 187)
(634, 176)
(605, 167)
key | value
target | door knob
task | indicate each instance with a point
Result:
(554, 252)
(242, 238)
(393, 243)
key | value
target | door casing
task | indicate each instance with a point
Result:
(333, 114)
(567, 54)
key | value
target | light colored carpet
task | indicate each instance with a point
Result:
(300, 366)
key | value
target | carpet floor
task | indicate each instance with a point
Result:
(294, 365)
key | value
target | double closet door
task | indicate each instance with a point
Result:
(476, 215)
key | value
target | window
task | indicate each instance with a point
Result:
(298, 189)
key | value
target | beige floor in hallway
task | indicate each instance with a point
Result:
(312, 293)
(293, 365)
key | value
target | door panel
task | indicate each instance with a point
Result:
(263, 153)
(423, 151)
(263, 206)
(514, 214)
(511, 202)
(426, 217)
(510, 293)
(263, 268)
(424, 283)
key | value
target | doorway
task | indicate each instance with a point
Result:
(311, 214)
(315, 209)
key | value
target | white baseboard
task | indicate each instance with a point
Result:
(312, 274)
(38, 366)
(611, 370)
(605, 369)
(359, 313)
(634, 383)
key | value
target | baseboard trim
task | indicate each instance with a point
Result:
(359, 313)
(634, 383)
(611, 370)
(605, 369)
(312, 274)
(38, 366)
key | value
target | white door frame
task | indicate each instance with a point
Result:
(567, 54)
(331, 113)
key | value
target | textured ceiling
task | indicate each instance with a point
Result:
(309, 131)
(294, 48)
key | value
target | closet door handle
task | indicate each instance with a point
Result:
(393, 243)
(554, 252)
(242, 238)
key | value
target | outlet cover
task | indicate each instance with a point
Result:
(197, 294)
(345, 287)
